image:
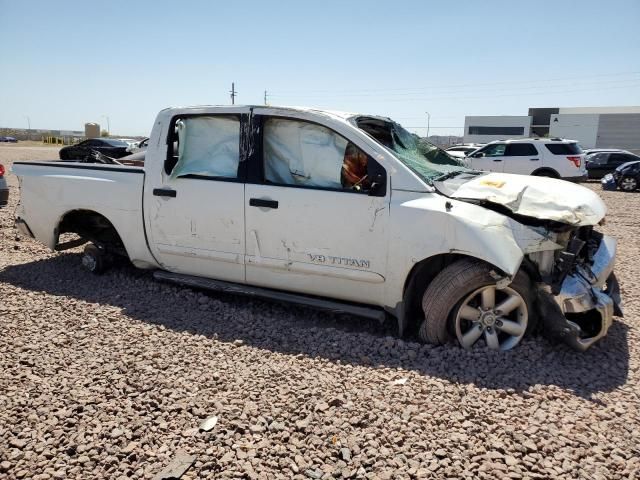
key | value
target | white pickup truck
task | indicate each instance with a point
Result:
(346, 212)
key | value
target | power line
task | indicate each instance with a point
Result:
(464, 85)
(455, 97)
(518, 90)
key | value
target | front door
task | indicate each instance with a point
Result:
(194, 206)
(317, 213)
(489, 158)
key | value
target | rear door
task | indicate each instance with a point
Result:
(489, 158)
(598, 164)
(316, 223)
(194, 205)
(522, 158)
(83, 149)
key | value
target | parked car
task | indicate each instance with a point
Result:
(82, 151)
(600, 163)
(461, 151)
(131, 142)
(626, 177)
(543, 157)
(589, 151)
(139, 145)
(9, 139)
(4, 188)
(350, 213)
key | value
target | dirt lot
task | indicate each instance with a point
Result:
(108, 377)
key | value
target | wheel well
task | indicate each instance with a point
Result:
(419, 278)
(546, 171)
(423, 273)
(93, 227)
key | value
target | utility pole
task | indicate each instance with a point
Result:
(108, 125)
(428, 123)
(29, 129)
(265, 97)
(233, 93)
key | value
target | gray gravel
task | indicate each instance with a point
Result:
(111, 377)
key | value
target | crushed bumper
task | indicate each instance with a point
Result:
(582, 312)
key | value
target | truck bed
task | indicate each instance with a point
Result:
(52, 189)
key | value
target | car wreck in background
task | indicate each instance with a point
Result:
(345, 212)
(626, 177)
(83, 150)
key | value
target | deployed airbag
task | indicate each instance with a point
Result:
(301, 153)
(208, 146)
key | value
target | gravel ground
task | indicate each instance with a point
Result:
(109, 377)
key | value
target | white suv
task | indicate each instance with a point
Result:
(548, 157)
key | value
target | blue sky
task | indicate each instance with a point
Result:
(65, 63)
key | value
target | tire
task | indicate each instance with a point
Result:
(458, 286)
(628, 184)
(94, 260)
(546, 172)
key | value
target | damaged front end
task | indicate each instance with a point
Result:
(577, 291)
(579, 294)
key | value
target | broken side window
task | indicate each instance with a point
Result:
(306, 154)
(207, 147)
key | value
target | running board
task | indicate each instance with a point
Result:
(333, 306)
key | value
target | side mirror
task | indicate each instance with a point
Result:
(377, 186)
(477, 155)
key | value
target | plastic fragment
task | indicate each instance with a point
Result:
(208, 423)
(177, 467)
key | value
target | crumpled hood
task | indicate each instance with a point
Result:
(538, 197)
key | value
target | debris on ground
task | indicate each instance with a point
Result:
(177, 467)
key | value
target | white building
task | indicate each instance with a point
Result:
(486, 129)
(592, 127)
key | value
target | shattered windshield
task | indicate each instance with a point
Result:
(425, 159)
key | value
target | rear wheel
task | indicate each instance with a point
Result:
(463, 302)
(628, 184)
(94, 259)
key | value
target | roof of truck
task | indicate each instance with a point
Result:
(334, 113)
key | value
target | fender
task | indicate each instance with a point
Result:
(433, 225)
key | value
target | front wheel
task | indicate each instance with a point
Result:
(463, 302)
(628, 184)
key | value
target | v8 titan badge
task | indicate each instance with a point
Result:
(340, 261)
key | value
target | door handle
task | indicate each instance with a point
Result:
(534, 159)
(261, 202)
(164, 192)
(497, 159)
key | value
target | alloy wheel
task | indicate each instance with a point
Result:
(500, 317)
(628, 184)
